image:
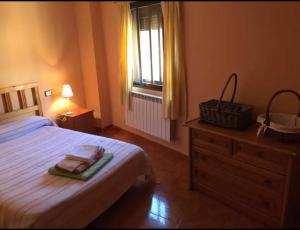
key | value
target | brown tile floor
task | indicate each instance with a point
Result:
(168, 203)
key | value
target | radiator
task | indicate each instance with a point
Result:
(146, 115)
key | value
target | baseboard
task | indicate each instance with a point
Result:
(149, 139)
(101, 129)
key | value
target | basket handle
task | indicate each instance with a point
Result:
(232, 76)
(267, 121)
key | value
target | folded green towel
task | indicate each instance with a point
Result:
(86, 174)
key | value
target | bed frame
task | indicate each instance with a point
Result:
(19, 100)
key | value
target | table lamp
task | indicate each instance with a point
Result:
(67, 93)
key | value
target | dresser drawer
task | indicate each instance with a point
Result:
(247, 175)
(218, 144)
(238, 193)
(261, 157)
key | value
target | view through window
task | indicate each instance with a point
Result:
(147, 44)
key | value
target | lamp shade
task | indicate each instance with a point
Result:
(66, 91)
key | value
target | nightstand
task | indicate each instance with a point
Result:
(81, 120)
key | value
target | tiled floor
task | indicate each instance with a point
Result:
(169, 203)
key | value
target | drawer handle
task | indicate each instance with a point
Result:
(195, 172)
(200, 157)
(203, 175)
(266, 204)
(196, 155)
(259, 154)
(203, 158)
(268, 182)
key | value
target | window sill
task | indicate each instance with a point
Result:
(147, 92)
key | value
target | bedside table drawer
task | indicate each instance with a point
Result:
(84, 123)
(212, 142)
(66, 124)
(261, 157)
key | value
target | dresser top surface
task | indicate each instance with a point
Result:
(248, 135)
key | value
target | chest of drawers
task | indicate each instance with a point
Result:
(257, 176)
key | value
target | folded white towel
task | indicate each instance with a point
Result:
(69, 165)
(82, 157)
(84, 153)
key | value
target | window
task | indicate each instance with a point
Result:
(147, 32)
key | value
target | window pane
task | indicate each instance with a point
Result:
(161, 52)
(148, 44)
(145, 43)
(136, 59)
(155, 48)
(145, 55)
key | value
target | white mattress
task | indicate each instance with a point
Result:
(30, 197)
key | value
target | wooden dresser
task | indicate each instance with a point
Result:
(81, 120)
(255, 175)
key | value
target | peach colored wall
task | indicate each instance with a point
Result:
(93, 59)
(110, 23)
(101, 64)
(38, 42)
(257, 40)
(87, 54)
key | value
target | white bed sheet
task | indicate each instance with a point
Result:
(30, 197)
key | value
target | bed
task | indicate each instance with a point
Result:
(30, 145)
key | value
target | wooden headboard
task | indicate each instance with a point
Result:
(19, 100)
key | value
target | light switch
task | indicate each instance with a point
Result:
(48, 92)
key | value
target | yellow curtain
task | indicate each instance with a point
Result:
(174, 82)
(126, 62)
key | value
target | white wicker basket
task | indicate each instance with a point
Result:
(285, 127)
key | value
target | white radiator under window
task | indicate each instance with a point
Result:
(146, 115)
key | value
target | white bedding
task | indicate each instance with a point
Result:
(30, 197)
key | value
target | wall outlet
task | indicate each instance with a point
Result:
(48, 92)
